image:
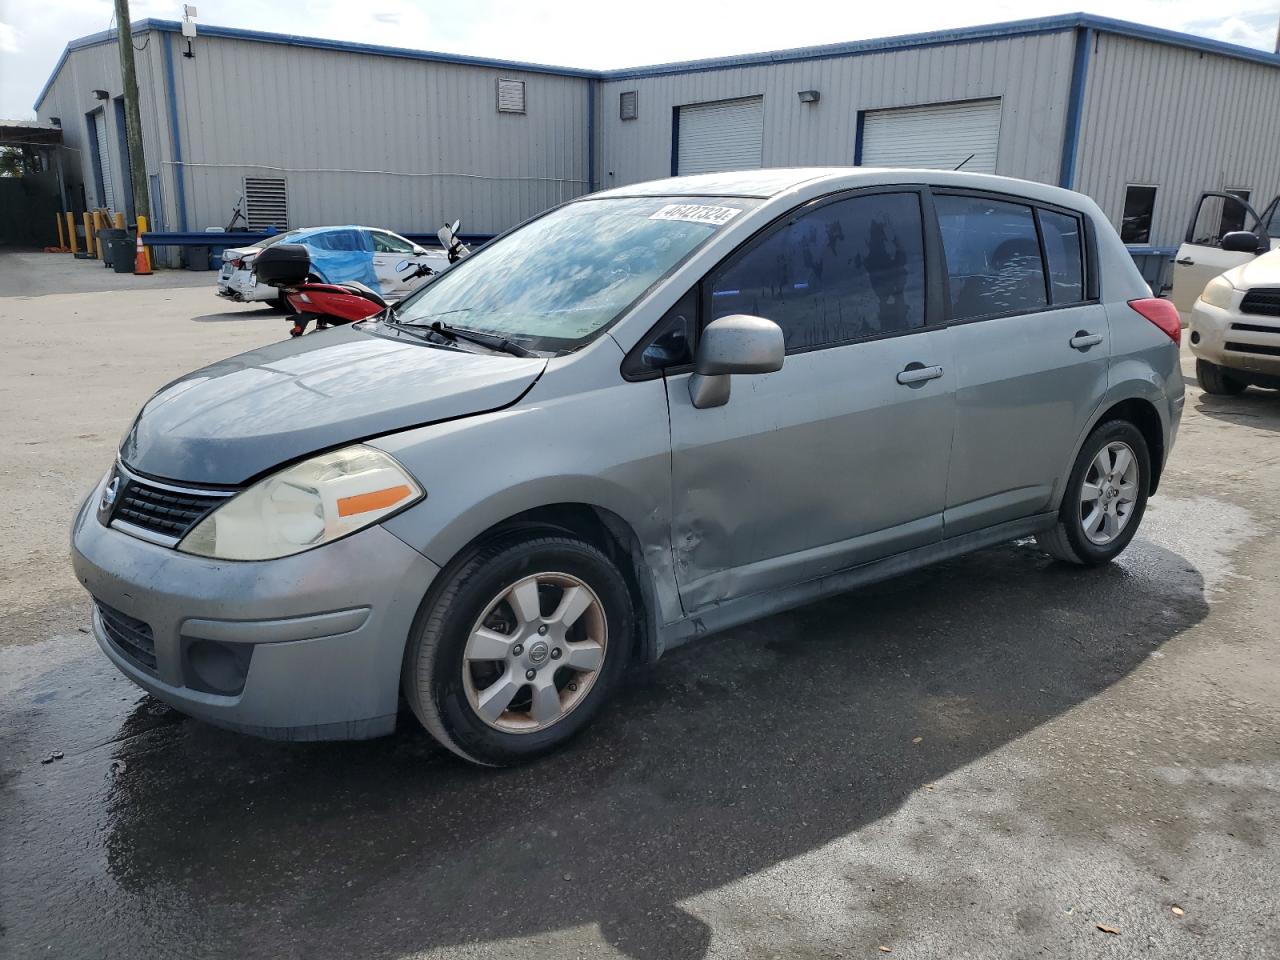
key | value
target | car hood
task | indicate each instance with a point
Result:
(235, 419)
(1263, 271)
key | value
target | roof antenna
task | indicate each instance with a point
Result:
(964, 161)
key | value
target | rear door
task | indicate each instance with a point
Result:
(1200, 257)
(841, 456)
(1031, 347)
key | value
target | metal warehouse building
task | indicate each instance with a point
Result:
(317, 131)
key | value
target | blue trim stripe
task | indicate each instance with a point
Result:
(1015, 28)
(179, 172)
(675, 141)
(860, 125)
(1075, 108)
(591, 136)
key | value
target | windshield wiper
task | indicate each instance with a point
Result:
(492, 341)
(417, 330)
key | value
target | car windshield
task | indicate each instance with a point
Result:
(557, 282)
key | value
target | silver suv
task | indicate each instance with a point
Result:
(646, 415)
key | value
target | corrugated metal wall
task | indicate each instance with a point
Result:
(1030, 74)
(371, 139)
(1182, 120)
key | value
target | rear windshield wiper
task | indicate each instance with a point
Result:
(492, 341)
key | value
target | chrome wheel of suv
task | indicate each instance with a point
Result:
(534, 653)
(1109, 492)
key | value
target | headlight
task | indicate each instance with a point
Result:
(303, 506)
(1218, 292)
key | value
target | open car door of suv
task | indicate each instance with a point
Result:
(1201, 257)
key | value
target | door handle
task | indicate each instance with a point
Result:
(918, 373)
(1083, 340)
(1186, 262)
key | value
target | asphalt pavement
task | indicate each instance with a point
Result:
(1000, 756)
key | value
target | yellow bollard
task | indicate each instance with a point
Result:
(119, 221)
(62, 240)
(89, 246)
(99, 221)
(71, 233)
(146, 251)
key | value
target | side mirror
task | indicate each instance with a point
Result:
(1242, 241)
(457, 225)
(402, 266)
(419, 251)
(733, 344)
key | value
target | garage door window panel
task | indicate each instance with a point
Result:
(992, 250)
(848, 270)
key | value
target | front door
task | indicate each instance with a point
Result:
(1031, 346)
(841, 456)
(1200, 257)
(389, 252)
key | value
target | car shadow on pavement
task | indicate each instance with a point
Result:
(728, 757)
(242, 314)
(1255, 408)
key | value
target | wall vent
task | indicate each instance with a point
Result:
(266, 203)
(510, 96)
(628, 105)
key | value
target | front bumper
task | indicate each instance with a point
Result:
(1231, 339)
(323, 632)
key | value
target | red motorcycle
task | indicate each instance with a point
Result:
(288, 265)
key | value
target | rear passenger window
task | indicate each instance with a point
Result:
(845, 271)
(993, 257)
(1064, 254)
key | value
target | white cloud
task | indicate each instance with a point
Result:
(8, 39)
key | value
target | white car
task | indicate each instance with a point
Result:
(235, 279)
(1203, 253)
(1235, 328)
(392, 259)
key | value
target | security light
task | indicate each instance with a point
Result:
(809, 96)
(101, 95)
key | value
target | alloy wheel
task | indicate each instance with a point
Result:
(535, 652)
(1109, 492)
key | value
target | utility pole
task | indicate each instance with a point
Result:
(132, 117)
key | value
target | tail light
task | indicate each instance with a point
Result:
(1163, 314)
(237, 263)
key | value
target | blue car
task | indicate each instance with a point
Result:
(375, 257)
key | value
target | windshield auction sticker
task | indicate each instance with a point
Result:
(696, 213)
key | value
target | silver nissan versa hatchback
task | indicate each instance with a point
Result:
(648, 414)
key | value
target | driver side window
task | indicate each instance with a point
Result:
(843, 271)
(389, 243)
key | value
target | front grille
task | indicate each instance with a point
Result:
(1253, 348)
(1255, 328)
(163, 510)
(1263, 300)
(129, 636)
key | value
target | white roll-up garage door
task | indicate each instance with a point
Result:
(108, 198)
(728, 135)
(936, 136)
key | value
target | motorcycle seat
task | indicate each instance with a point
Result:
(360, 290)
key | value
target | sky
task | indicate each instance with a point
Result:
(596, 34)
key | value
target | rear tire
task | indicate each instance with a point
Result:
(1215, 380)
(1087, 538)
(492, 673)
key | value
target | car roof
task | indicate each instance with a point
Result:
(773, 182)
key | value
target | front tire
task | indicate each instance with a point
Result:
(519, 647)
(1215, 380)
(1105, 497)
